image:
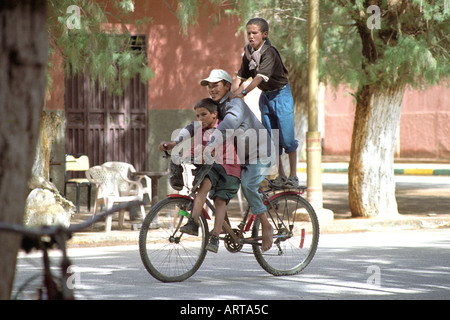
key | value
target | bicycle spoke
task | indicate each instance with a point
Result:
(167, 254)
(296, 240)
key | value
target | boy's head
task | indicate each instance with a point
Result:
(257, 32)
(206, 112)
(218, 83)
(261, 23)
(206, 103)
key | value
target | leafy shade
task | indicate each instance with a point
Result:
(411, 47)
(105, 53)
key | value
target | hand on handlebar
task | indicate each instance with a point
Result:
(166, 145)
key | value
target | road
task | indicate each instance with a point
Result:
(411, 264)
(373, 265)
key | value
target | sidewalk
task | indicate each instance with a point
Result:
(127, 236)
(97, 237)
(336, 198)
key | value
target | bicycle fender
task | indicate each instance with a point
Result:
(176, 195)
(252, 218)
(280, 195)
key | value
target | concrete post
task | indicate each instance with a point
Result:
(313, 137)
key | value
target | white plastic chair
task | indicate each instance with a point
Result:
(108, 180)
(126, 171)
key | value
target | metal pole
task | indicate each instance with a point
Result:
(313, 136)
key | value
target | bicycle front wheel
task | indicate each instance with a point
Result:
(168, 254)
(296, 235)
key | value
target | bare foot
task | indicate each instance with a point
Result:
(267, 238)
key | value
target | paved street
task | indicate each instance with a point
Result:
(372, 265)
(388, 264)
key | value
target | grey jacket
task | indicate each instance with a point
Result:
(252, 140)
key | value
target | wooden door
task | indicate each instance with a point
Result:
(104, 126)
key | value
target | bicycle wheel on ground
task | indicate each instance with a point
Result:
(296, 236)
(168, 254)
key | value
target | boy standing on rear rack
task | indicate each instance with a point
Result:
(263, 63)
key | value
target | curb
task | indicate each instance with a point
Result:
(423, 172)
(97, 239)
(343, 168)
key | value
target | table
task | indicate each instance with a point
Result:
(155, 178)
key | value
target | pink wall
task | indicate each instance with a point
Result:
(179, 61)
(339, 112)
(424, 124)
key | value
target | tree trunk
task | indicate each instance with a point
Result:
(23, 60)
(371, 184)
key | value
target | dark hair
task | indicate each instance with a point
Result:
(206, 103)
(261, 23)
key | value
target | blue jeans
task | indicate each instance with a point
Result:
(277, 112)
(251, 177)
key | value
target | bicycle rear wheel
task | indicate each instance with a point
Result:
(296, 236)
(168, 254)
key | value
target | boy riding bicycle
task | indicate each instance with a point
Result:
(221, 181)
(256, 157)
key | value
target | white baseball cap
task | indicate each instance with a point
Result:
(216, 75)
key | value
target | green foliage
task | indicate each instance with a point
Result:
(93, 47)
(411, 47)
(187, 13)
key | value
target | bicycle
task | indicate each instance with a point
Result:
(172, 256)
(47, 237)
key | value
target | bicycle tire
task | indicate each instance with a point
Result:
(289, 255)
(167, 254)
(24, 291)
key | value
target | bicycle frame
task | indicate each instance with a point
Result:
(246, 222)
(169, 259)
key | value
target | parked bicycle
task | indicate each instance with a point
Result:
(172, 256)
(54, 286)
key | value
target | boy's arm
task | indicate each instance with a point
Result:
(185, 134)
(255, 82)
(265, 71)
(234, 115)
(241, 76)
(237, 82)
